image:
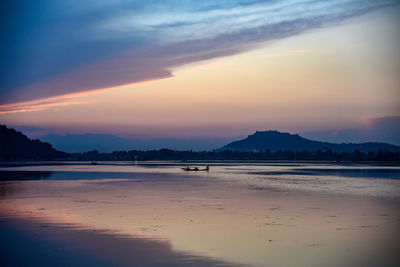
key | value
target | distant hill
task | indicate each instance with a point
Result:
(16, 146)
(106, 143)
(86, 142)
(269, 145)
(274, 140)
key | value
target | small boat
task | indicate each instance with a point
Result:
(195, 169)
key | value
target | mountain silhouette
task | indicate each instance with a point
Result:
(15, 145)
(274, 141)
(107, 143)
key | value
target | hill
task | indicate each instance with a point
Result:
(106, 143)
(268, 145)
(15, 145)
(274, 141)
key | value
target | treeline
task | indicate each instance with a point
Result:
(16, 146)
(167, 154)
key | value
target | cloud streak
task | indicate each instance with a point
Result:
(54, 49)
(35, 106)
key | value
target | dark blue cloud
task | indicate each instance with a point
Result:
(40, 39)
(51, 48)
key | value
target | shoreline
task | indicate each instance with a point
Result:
(21, 163)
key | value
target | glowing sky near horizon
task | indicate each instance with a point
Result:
(209, 71)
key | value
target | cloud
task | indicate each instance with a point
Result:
(56, 48)
(35, 106)
(383, 129)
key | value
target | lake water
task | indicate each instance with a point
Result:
(252, 214)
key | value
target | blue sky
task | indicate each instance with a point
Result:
(194, 69)
(49, 46)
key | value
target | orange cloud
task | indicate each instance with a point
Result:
(57, 101)
(22, 107)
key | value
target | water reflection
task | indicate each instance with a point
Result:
(387, 173)
(24, 175)
(86, 247)
(217, 215)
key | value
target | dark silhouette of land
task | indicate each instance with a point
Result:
(168, 154)
(274, 141)
(15, 145)
(268, 145)
(75, 143)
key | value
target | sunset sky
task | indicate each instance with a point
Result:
(199, 68)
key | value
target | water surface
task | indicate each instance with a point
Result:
(238, 213)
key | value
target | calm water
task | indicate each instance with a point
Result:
(245, 214)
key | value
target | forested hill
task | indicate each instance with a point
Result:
(274, 141)
(15, 145)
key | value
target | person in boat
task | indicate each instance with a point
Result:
(187, 168)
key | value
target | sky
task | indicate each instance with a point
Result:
(199, 69)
